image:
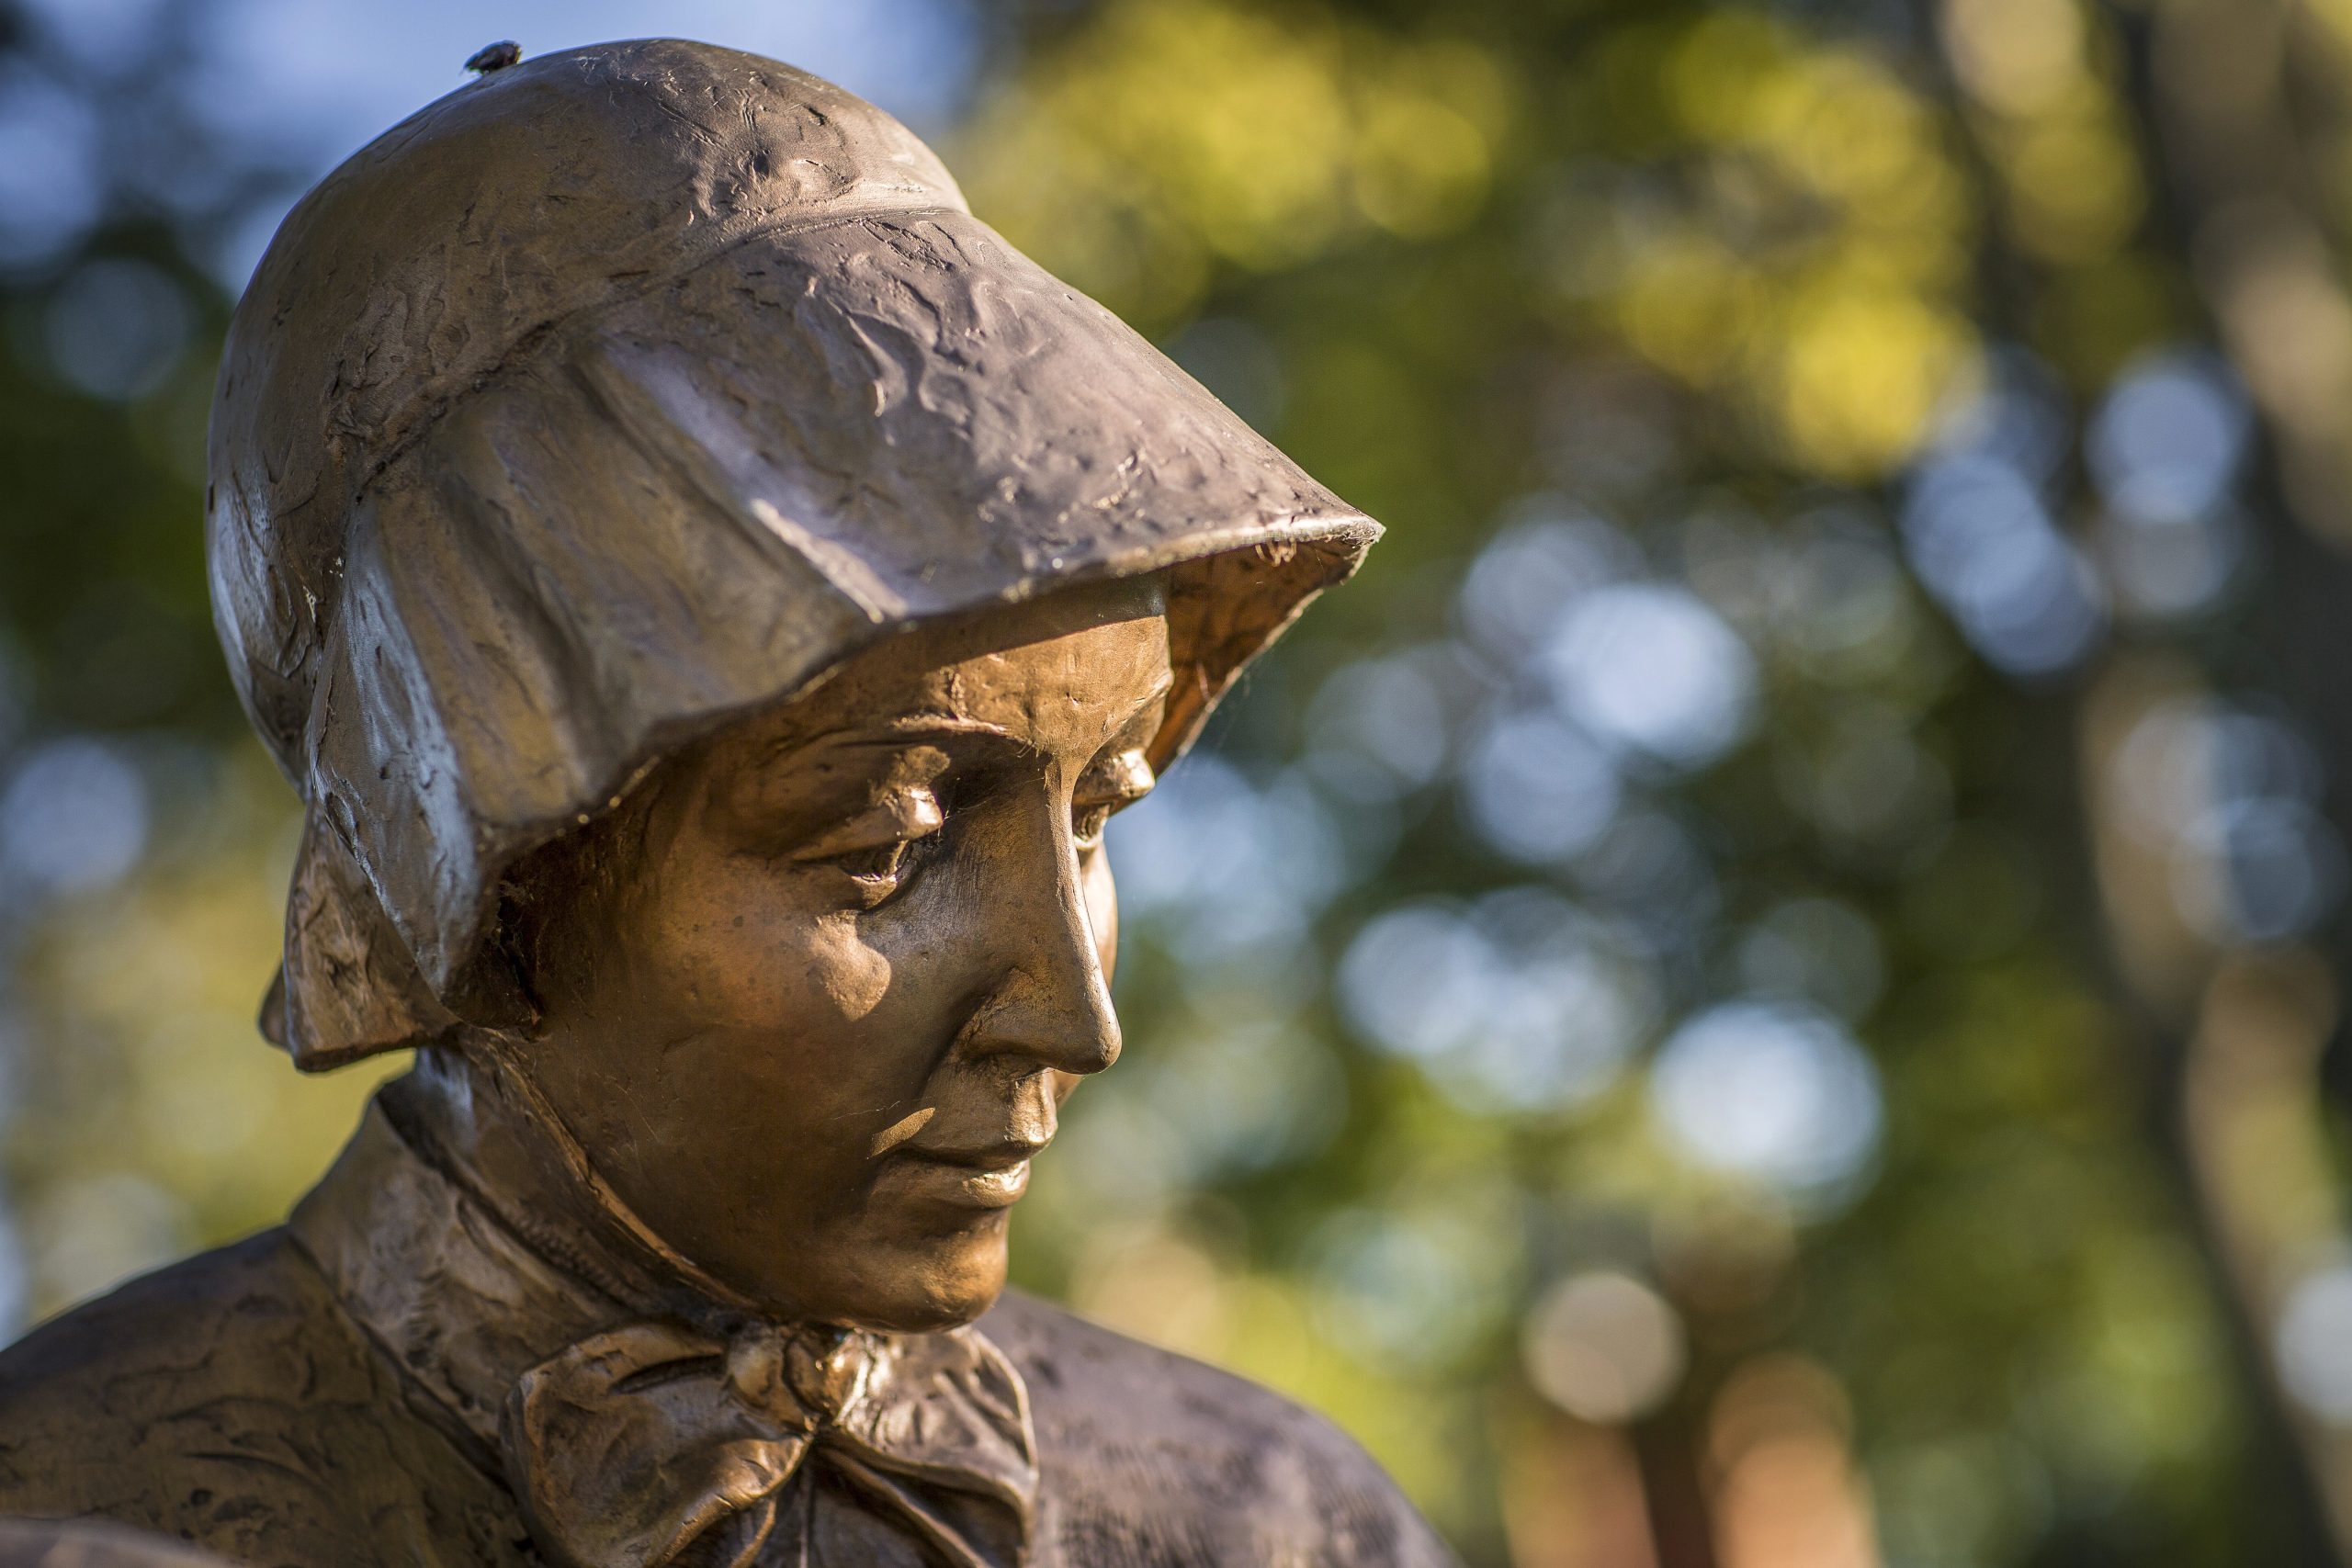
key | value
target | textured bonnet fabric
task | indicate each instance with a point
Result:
(628, 389)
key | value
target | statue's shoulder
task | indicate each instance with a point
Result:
(219, 1327)
(1152, 1456)
(228, 1401)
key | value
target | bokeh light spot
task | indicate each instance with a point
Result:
(1771, 1091)
(1652, 669)
(1603, 1347)
(51, 187)
(115, 328)
(73, 817)
(2313, 1341)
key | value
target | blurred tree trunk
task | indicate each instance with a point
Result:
(2232, 1044)
(2214, 87)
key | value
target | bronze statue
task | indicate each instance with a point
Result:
(711, 593)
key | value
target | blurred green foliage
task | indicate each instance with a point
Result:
(1692, 310)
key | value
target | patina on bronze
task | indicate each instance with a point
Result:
(711, 593)
(82, 1545)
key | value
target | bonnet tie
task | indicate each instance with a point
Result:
(656, 1444)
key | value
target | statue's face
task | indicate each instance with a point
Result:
(814, 1028)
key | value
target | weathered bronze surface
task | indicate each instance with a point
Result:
(711, 593)
(77, 1545)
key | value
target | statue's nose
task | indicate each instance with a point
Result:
(1053, 1001)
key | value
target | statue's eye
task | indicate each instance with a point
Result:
(882, 863)
(880, 847)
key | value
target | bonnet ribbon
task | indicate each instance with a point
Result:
(655, 1444)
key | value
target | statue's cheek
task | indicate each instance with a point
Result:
(754, 949)
(848, 969)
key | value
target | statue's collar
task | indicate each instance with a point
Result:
(634, 1435)
(439, 1278)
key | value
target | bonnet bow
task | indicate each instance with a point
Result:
(655, 1444)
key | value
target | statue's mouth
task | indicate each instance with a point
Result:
(991, 1175)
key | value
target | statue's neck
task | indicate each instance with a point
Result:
(456, 1233)
(483, 1125)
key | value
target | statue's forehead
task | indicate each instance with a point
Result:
(1051, 685)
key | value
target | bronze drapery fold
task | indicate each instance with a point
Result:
(652, 1444)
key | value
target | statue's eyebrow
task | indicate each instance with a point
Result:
(891, 735)
(916, 725)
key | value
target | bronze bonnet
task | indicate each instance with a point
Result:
(627, 389)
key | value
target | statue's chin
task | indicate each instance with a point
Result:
(932, 1316)
(895, 1290)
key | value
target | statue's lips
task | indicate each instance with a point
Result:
(992, 1178)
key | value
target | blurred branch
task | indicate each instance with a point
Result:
(2205, 101)
(2233, 1043)
(2251, 1102)
(2216, 89)
(2218, 93)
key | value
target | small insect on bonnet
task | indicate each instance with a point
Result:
(492, 57)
